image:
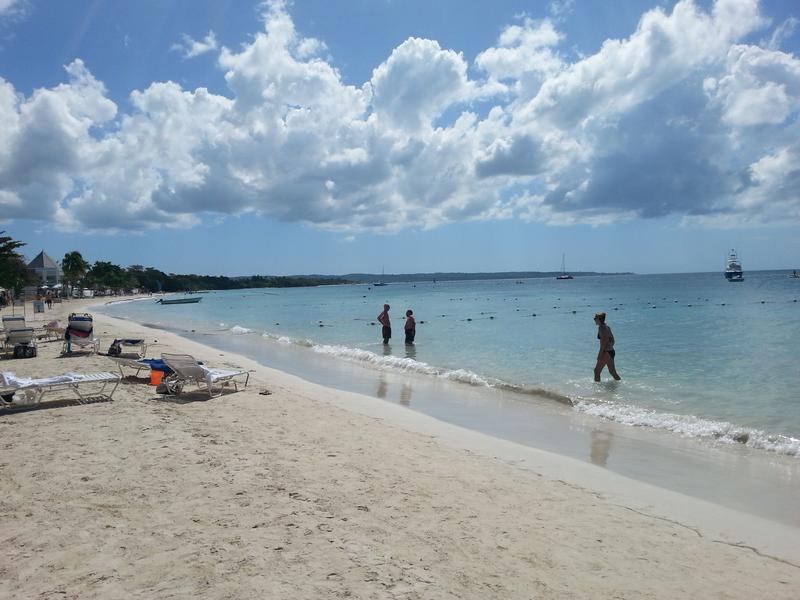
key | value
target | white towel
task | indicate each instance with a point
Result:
(213, 375)
(11, 380)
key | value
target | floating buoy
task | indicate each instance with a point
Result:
(469, 319)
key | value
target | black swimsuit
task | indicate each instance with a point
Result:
(610, 350)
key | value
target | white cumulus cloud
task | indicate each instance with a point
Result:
(682, 117)
(190, 47)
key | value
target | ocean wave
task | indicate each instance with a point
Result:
(239, 330)
(685, 425)
(691, 426)
(620, 405)
(285, 339)
(410, 365)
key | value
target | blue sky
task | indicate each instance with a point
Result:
(236, 137)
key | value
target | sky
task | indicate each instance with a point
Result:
(238, 137)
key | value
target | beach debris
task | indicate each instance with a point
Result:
(264, 393)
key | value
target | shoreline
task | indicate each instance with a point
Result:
(314, 490)
(744, 479)
(634, 403)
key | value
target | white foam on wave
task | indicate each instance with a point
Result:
(691, 426)
(686, 425)
(239, 330)
(285, 339)
(398, 363)
(370, 358)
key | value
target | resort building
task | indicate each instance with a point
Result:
(46, 269)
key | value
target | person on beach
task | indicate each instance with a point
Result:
(411, 327)
(383, 319)
(605, 356)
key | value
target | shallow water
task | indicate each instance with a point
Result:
(699, 356)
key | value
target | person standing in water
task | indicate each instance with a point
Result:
(410, 327)
(605, 356)
(383, 319)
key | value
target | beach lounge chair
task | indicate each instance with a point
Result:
(20, 340)
(117, 346)
(187, 370)
(53, 331)
(13, 321)
(138, 364)
(35, 390)
(81, 342)
(79, 333)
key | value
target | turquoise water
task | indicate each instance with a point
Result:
(699, 356)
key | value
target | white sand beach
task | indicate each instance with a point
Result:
(311, 492)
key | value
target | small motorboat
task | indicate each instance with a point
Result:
(179, 300)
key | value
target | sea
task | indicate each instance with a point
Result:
(709, 368)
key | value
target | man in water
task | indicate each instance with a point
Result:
(410, 327)
(383, 319)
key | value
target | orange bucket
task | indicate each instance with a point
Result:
(156, 377)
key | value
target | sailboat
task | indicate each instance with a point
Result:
(380, 283)
(564, 274)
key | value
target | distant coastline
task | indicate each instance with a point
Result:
(456, 276)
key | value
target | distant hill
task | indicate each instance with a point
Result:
(414, 277)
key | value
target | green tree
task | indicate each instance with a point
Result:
(14, 272)
(74, 267)
(108, 275)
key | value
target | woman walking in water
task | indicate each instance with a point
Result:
(605, 356)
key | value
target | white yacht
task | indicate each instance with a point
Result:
(733, 268)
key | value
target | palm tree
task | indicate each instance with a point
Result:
(74, 267)
(14, 273)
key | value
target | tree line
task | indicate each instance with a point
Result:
(77, 272)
